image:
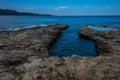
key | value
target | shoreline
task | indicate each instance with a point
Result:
(26, 42)
(105, 39)
(102, 67)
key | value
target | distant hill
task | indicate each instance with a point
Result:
(14, 12)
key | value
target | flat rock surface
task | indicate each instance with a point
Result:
(103, 67)
(28, 44)
(108, 43)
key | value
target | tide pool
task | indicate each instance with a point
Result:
(102, 29)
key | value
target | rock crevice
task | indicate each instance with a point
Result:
(39, 66)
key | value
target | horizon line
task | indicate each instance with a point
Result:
(85, 15)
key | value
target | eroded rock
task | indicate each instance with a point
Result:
(28, 44)
(103, 67)
(107, 43)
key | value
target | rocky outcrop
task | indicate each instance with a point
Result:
(27, 44)
(64, 68)
(107, 43)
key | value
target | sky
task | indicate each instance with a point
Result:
(64, 7)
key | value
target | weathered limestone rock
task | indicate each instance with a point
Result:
(74, 68)
(103, 67)
(28, 44)
(107, 43)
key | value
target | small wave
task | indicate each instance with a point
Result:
(43, 25)
(35, 26)
(18, 28)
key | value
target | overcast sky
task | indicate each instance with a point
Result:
(65, 7)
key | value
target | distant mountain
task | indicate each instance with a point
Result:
(14, 12)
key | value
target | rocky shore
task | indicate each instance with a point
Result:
(24, 56)
(107, 43)
(28, 44)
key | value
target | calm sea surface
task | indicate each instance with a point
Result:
(69, 43)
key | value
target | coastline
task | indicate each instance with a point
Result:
(105, 41)
(104, 66)
(26, 42)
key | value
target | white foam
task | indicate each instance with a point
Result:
(43, 25)
(35, 26)
(18, 28)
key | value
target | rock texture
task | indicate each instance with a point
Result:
(56, 68)
(27, 44)
(107, 43)
(103, 67)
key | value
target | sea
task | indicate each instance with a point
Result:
(69, 43)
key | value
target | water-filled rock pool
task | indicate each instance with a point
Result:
(102, 29)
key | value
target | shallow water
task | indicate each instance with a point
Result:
(69, 43)
(97, 28)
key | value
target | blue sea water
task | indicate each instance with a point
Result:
(97, 28)
(69, 43)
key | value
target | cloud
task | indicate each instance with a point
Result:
(61, 8)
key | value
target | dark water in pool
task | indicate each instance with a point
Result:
(69, 43)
